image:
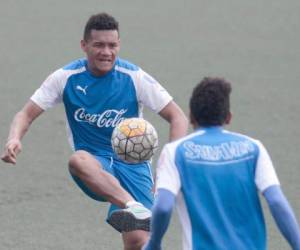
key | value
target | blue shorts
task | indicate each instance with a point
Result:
(136, 179)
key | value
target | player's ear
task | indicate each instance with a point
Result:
(83, 45)
(119, 44)
(228, 118)
(193, 120)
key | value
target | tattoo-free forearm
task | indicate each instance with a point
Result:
(19, 126)
(283, 215)
(23, 120)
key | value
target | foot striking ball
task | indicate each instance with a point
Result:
(134, 140)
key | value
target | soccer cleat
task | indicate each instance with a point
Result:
(135, 217)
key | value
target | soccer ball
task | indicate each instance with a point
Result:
(134, 140)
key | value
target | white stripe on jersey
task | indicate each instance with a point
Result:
(147, 90)
(185, 220)
(70, 135)
(265, 174)
(51, 91)
(166, 169)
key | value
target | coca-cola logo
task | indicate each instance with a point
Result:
(109, 118)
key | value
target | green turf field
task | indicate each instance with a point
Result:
(254, 44)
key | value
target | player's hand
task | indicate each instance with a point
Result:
(12, 148)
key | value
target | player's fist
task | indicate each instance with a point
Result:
(12, 148)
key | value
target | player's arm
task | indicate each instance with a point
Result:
(154, 96)
(267, 182)
(18, 129)
(161, 215)
(178, 123)
(283, 215)
(168, 186)
(177, 119)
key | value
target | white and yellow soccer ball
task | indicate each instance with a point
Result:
(134, 140)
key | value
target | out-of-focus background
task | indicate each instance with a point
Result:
(254, 44)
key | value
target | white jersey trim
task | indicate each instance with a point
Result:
(167, 174)
(185, 222)
(70, 135)
(149, 92)
(51, 91)
(265, 174)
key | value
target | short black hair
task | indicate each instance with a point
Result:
(210, 101)
(100, 21)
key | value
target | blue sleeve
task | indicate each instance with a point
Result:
(283, 215)
(161, 215)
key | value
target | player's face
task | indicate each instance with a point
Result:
(101, 50)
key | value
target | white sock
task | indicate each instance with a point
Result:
(132, 203)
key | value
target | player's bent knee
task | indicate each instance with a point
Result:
(77, 160)
(134, 245)
(135, 240)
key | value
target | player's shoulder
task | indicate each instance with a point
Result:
(228, 135)
(136, 72)
(256, 143)
(124, 65)
(74, 67)
(174, 145)
(241, 136)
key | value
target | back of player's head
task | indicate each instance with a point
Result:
(210, 102)
(100, 21)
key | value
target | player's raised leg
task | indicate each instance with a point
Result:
(89, 170)
(134, 240)
(134, 217)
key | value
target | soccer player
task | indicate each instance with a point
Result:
(213, 175)
(98, 92)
